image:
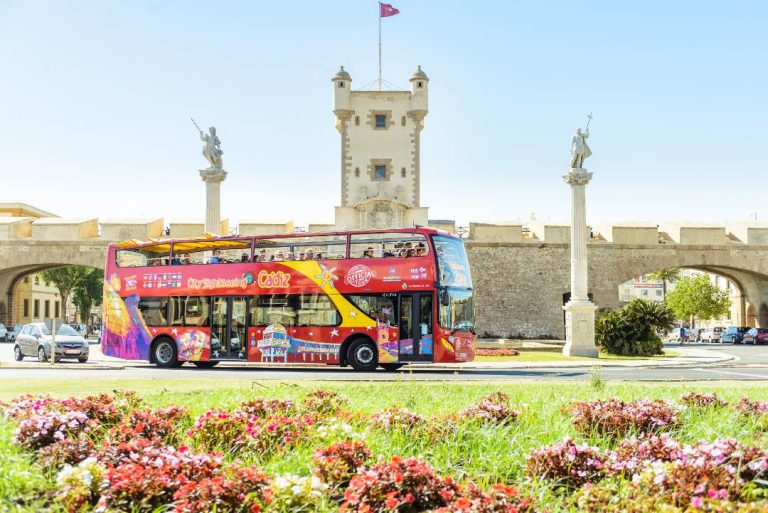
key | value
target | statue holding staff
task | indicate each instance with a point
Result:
(211, 147)
(579, 148)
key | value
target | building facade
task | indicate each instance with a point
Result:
(35, 300)
(380, 153)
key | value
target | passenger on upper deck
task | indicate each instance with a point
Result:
(262, 255)
(309, 255)
(185, 260)
(368, 253)
(244, 257)
(216, 258)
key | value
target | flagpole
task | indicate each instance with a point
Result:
(379, 3)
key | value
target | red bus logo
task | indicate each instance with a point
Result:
(358, 276)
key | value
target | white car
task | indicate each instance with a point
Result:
(4, 336)
(711, 334)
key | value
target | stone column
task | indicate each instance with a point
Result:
(580, 311)
(213, 179)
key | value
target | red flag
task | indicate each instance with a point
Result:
(386, 10)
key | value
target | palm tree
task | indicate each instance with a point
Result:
(665, 275)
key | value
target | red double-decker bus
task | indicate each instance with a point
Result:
(360, 298)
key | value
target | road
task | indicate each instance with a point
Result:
(751, 365)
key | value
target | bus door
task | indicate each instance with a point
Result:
(228, 327)
(415, 326)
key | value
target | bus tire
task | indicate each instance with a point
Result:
(391, 367)
(362, 355)
(165, 353)
(205, 365)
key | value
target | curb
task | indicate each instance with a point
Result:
(62, 366)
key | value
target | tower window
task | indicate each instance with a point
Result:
(341, 85)
(357, 120)
(380, 172)
(420, 84)
(357, 172)
(402, 172)
(381, 121)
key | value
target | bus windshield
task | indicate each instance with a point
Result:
(459, 312)
(453, 266)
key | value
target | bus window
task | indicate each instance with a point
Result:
(188, 311)
(317, 310)
(143, 257)
(209, 251)
(381, 307)
(387, 245)
(154, 310)
(275, 309)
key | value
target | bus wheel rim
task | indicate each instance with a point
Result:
(164, 352)
(364, 354)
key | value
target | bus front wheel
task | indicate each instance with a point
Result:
(361, 355)
(165, 353)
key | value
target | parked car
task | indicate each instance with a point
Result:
(81, 329)
(4, 336)
(733, 334)
(756, 336)
(15, 332)
(35, 340)
(712, 334)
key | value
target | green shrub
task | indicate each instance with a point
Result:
(631, 331)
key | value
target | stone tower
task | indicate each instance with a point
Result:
(380, 153)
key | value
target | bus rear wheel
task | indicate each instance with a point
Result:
(361, 355)
(206, 365)
(165, 353)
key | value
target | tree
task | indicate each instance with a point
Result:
(665, 275)
(65, 279)
(87, 293)
(697, 296)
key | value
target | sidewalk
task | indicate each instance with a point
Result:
(689, 357)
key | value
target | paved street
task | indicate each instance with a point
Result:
(750, 364)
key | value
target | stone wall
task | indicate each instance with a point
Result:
(520, 287)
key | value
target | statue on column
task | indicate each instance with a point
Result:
(211, 147)
(579, 148)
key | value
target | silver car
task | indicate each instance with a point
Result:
(35, 340)
(4, 335)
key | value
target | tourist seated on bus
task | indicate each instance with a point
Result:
(244, 258)
(319, 256)
(185, 260)
(279, 257)
(368, 253)
(289, 256)
(216, 258)
(309, 254)
(175, 261)
(410, 253)
(421, 249)
(301, 256)
(262, 255)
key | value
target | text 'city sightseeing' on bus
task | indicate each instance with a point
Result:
(361, 298)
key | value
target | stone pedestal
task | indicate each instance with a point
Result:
(580, 311)
(213, 179)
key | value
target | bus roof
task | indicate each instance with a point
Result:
(211, 241)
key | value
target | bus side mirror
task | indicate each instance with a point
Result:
(445, 299)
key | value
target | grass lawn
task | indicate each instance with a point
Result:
(485, 453)
(551, 356)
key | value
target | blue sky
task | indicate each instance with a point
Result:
(95, 101)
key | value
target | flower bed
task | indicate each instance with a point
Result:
(316, 454)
